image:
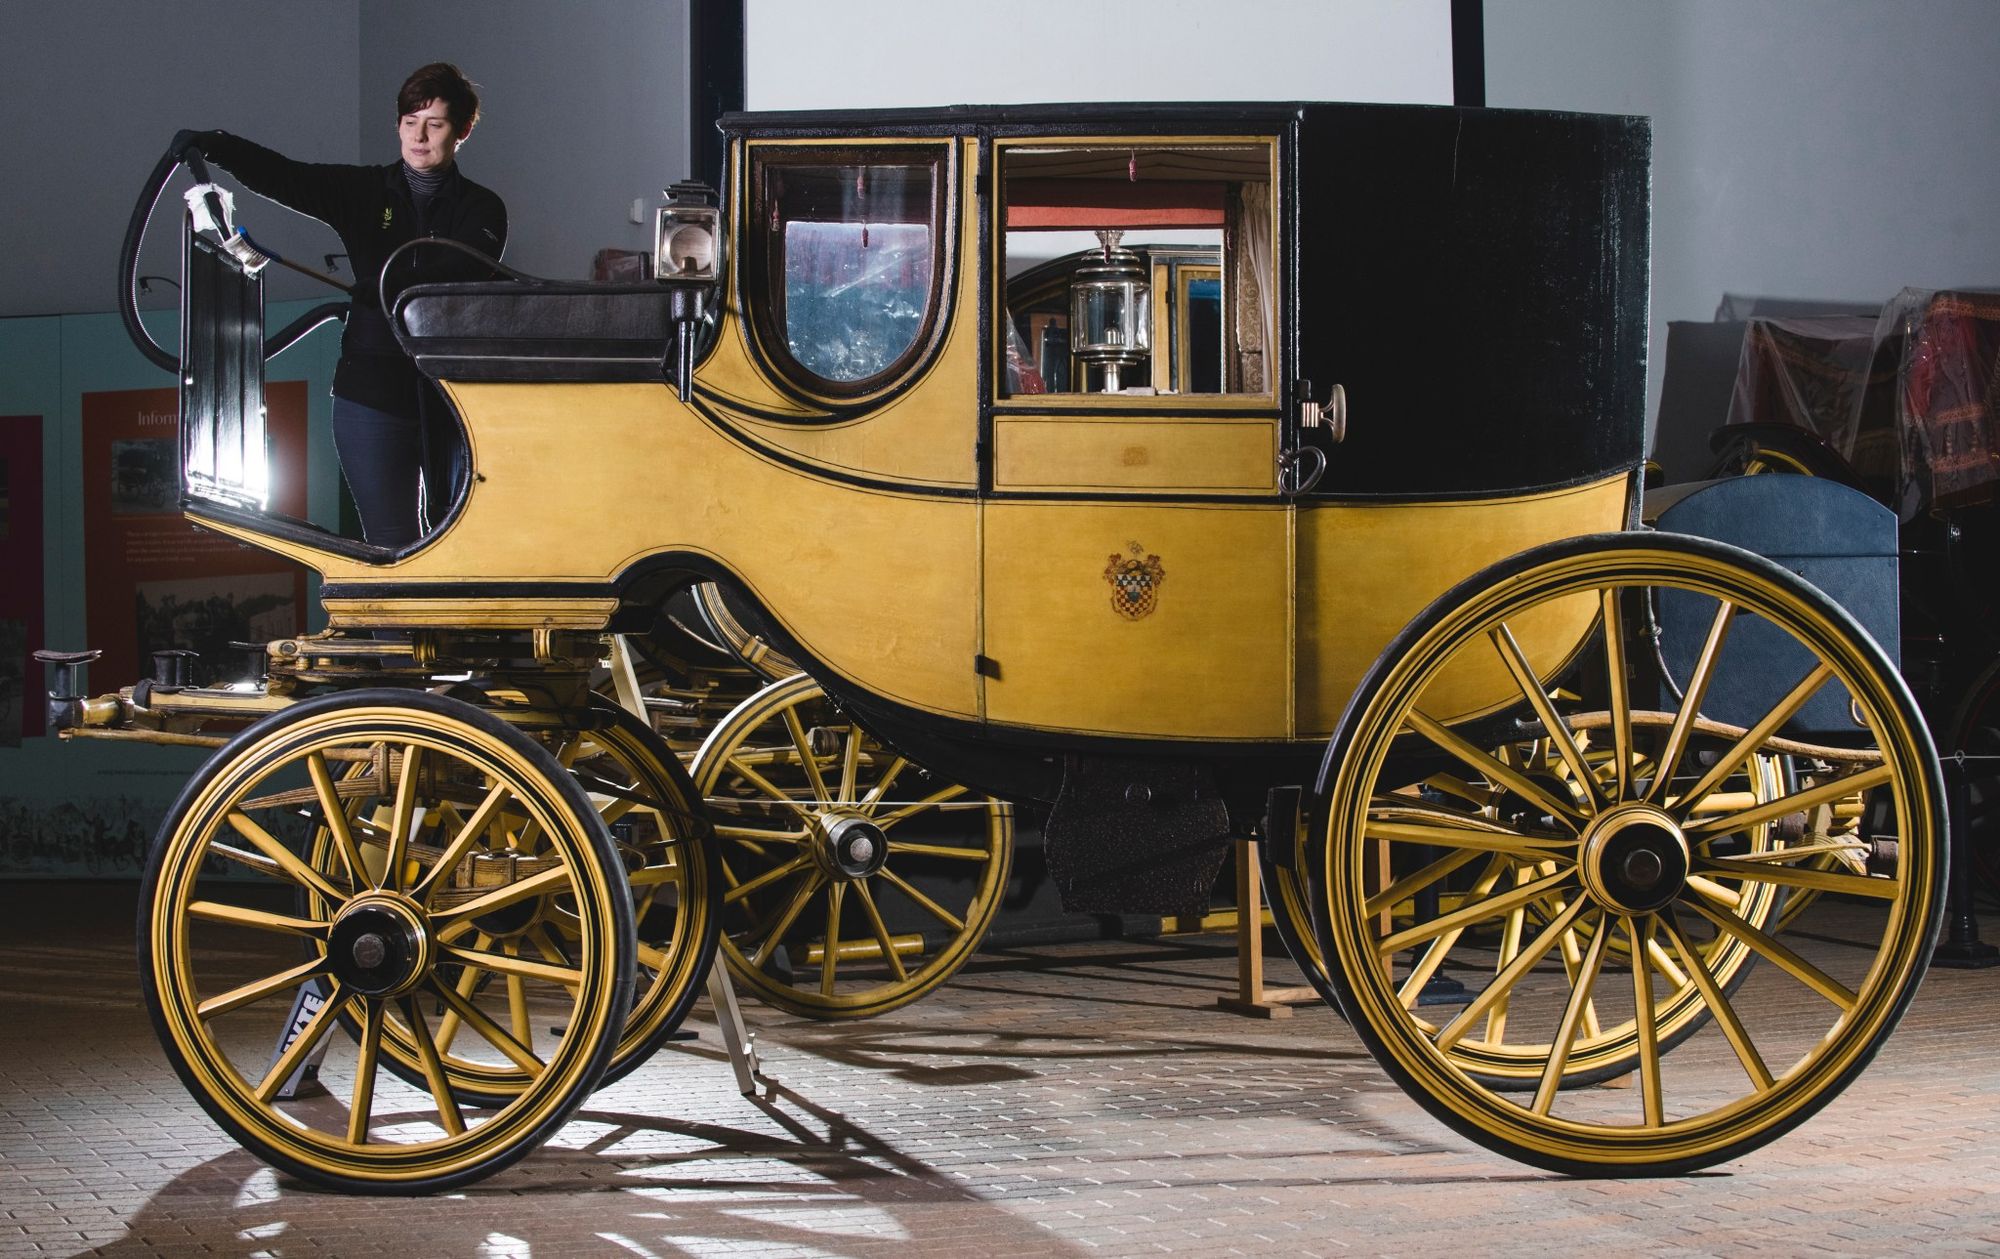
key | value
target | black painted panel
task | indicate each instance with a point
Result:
(1476, 279)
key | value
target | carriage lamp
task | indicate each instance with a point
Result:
(1111, 313)
(687, 257)
(687, 236)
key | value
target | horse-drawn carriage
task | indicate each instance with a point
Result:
(1623, 786)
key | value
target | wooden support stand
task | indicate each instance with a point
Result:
(1252, 998)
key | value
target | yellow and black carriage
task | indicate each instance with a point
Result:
(1199, 472)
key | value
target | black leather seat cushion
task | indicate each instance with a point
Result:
(553, 332)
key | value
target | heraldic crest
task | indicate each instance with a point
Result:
(1135, 582)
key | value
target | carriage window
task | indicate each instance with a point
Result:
(847, 257)
(1138, 269)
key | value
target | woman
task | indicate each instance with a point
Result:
(400, 448)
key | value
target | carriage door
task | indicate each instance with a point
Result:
(1136, 553)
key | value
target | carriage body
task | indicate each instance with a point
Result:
(946, 550)
(1301, 506)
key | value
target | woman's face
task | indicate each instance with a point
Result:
(428, 139)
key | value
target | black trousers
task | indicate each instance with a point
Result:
(403, 471)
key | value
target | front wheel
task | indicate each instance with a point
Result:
(1600, 899)
(354, 859)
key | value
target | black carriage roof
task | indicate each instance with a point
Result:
(1083, 115)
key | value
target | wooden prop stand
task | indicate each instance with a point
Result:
(737, 1039)
(1252, 998)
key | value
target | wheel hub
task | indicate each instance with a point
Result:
(1634, 859)
(379, 946)
(851, 846)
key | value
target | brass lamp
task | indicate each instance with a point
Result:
(1111, 313)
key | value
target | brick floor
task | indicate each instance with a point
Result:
(1073, 1099)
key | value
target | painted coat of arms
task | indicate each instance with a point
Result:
(1135, 582)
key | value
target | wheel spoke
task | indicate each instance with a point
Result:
(542, 883)
(978, 856)
(829, 954)
(935, 910)
(784, 921)
(257, 990)
(468, 983)
(1799, 968)
(880, 790)
(850, 764)
(881, 931)
(1483, 838)
(517, 997)
(1468, 914)
(1538, 699)
(334, 813)
(287, 860)
(770, 790)
(1639, 937)
(1620, 697)
(1491, 769)
(1692, 696)
(931, 801)
(403, 818)
(1510, 948)
(508, 964)
(1440, 948)
(1718, 1004)
(472, 1016)
(1879, 887)
(1797, 802)
(304, 1043)
(461, 844)
(1753, 739)
(257, 919)
(1503, 983)
(774, 874)
(807, 761)
(1573, 1017)
(449, 1116)
(369, 1013)
(1410, 884)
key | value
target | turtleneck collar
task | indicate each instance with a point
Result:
(424, 184)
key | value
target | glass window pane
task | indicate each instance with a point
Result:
(849, 259)
(854, 295)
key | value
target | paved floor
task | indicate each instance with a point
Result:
(1078, 1099)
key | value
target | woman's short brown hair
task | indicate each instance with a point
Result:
(441, 81)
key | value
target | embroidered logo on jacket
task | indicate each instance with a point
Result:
(388, 216)
(1135, 582)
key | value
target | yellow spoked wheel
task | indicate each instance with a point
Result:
(1598, 924)
(1491, 1057)
(444, 826)
(642, 794)
(855, 882)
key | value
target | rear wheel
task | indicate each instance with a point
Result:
(1597, 923)
(855, 882)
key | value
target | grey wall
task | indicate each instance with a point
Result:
(585, 110)
(92, 90)
(1836, 150)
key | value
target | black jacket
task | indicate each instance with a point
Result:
(370, 207)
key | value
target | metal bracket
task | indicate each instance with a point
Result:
(736, 1038)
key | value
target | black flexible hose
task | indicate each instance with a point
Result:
(128, 263)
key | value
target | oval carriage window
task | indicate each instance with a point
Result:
(848, 261)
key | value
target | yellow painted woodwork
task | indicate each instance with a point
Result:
(1198, 454)
(1365, 570)
(1209, 662)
